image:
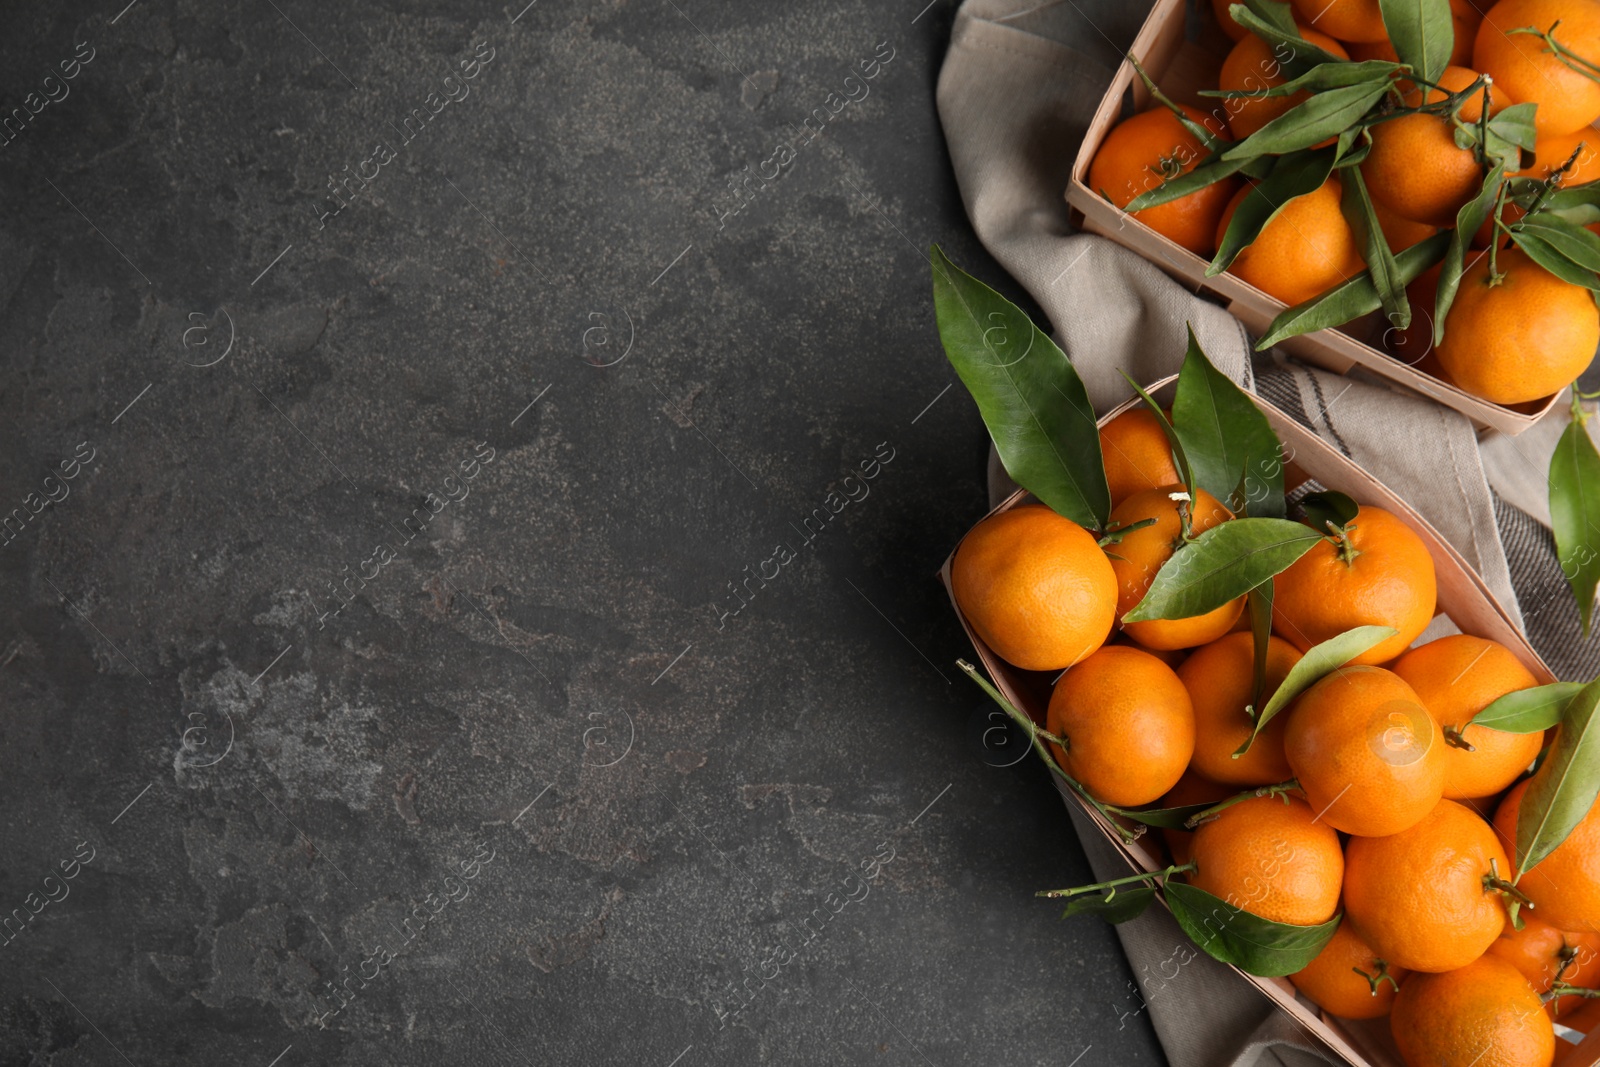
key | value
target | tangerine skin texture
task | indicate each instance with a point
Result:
(1307, 248)
(1272, 859)
(1367, 754)
(1519, 64)
(1418, 897)
(1253, 66)
(1139, 555)
(1333, 985)
(1130, 161)
(1348, 20)
(1456, 677)
(1483, 1014)
(1136, 454)
(1128, 724)
(1524, 338)
(1220, 678)
(1565, 885)
(1036, 587)
(1390, 583)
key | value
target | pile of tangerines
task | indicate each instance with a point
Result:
(1496, 137)
(1371, 795)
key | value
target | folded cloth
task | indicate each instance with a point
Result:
(1016, 93)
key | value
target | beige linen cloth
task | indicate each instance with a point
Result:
(1015, 95)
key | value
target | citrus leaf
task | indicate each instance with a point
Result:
(1422, 34)
(1335, 75)
(1580, 246)
(1313, 121)
(1179, 455)
(1575, 513)
(1564, 787)
(1254, 945)
(1328, 506)
(1353, 298)
(1225, 562)
(1553, 259)
(1468, 218)
(1274, 23)
(1201, 176)
(1527, 711)
(1260, 604)
(1292, 176)
(1514, 125)
(1170, 818)
(1223, 432)
(1196, 130)
(1585, 195)
(1031, 398)
(1356, 204)
(1347, 153)
(1312, 667)
(1119, 907)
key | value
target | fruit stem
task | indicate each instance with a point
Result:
(1115, 534)
(1495, 277)
(1568, 58)
(1561, 989)
(1455, 738)
(1281, 789)
(1340, 536)
(1037, 736)
(1383, 975)
(1515, 898)
(1079, 890)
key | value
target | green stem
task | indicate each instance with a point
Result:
(1281, 789)
(1080, 890)
(1456, 739)
(1569, 58)
(1515, 899)
(1561, 989)
(1037, 738)
(1115, 534)
(1383, 975)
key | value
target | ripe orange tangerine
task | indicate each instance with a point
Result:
(1141, 553)
(1306, 249)
(1153, 147)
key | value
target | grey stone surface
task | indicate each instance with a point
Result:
(529, 789)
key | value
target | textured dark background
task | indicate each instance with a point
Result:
(545, 677)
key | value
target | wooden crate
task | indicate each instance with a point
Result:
(1463, 598)
(1182, 67)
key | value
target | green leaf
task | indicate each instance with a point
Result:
(1356, 205)
(1329, 506)
(1313, 121)
(1513, 127)
(1351, 299)
(1223, 432)
(1335, 75)
(1422, 33)
(1119, 907)
(1201, 176)
(1225, 562)
(1197, 130)
(1260, 604)
(1527, 711)
(1170, 818)
(1575, 513)
(1179, 455)
(1271, 23)
(1252, 944)
(1580, 246)
(1316, 664)
(1468, 219)
(1569, 196)
(1291, 176)
(1564, 787)
(1030, 396)
(1347, 153)
(1553, 259)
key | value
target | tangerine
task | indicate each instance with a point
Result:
(1456, 677)
(1036, 587)
(1136, 454)
(1348, 20)
(1367, 754)
(1542, 952)
(1220, 678)
(1142, 552)
(1565, 885)
(1254, 66)
(1153, 147)
(1375, 571)
(1415, 168)
(1128, 725)
(1271, 857)
(1348, 979)
(1306, 249)
(1519, 335)
(1484, 1014)
(1422, 897)
(1192, 788)
(1530, 72)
